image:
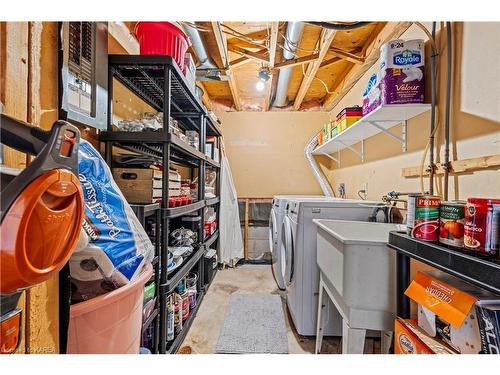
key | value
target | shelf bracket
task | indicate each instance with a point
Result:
(391, 134)
(360, 154)
(337, 159)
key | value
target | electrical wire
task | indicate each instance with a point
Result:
(339, 26)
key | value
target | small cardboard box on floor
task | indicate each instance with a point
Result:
(449, 314)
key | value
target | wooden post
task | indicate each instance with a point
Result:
(246, 229)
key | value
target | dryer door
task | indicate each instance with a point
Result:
(278, 260)
(288, 248)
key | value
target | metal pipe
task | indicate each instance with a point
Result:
(447, 110)
(433, 112)
(293, 34)
(199, 48)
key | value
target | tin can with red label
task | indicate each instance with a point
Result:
(426, 222)
(451, 223)
(410, 211)
(481, 229)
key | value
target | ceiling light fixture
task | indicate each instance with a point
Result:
(264, 74)
(260, 85)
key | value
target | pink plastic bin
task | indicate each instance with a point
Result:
(111, 323)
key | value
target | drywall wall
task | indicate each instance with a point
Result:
(474, 129)
(266, 151)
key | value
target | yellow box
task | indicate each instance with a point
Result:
(345, 121)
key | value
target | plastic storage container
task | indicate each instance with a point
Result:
(111, 323)
(163, 38)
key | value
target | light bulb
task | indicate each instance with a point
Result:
(260, 85)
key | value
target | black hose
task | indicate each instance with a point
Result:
(339, 26)
(433, 111)
(447, 110)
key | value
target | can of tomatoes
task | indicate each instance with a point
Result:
(410, 211)
(451, 223)
(481, 229)
(426, 222)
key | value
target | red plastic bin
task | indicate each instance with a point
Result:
(162, 38)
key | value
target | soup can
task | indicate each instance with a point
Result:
(177, 316)
(170, 321)
(185, 305)
(192, 299)
(481, 229)
(426, 221)
(451, 223)
(410, 211)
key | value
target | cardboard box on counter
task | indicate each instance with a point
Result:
(447, 312)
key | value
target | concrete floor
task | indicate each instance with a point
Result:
(204, 333)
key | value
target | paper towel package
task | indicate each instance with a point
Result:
(113, 245)
(400, 77)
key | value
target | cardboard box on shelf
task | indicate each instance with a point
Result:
(190, 71)
(488, 315)
(410, 339)
(144, 185)
(447, 311)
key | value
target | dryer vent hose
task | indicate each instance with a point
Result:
(318, 174)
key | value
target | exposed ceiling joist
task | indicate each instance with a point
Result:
(392, 30)
(273, 45)
(331, 61)
(347, 55)
(244, 60)
(221, 41)
(261, 57)
(205, 98)
(297, 61)
(325, 41)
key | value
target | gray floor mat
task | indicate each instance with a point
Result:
(254, 323)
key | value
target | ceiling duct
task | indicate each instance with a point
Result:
(293, 34)
(206, 70)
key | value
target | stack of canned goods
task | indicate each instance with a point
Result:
(472, 226)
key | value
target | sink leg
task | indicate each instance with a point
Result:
(353, 339)
(386, 341)
(320, 321)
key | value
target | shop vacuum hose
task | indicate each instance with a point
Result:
(318, 174)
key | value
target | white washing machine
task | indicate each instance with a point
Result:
(275, 225)
(301, 271)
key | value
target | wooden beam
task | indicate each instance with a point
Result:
(297, 61)
(325, 41)
(458, 166)
(273, 45)
(244, 59)
(392, 30)
(331, 61)
(245, 247)
(347, 55)
(373, 36)
(205, 98)
(261, 57)
(221, 41)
